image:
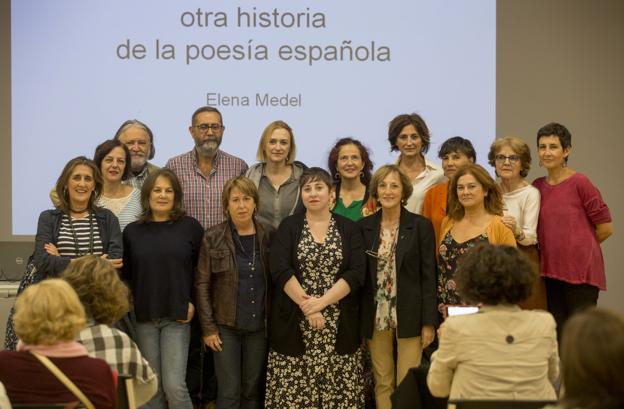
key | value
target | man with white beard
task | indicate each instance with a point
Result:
(140, 142)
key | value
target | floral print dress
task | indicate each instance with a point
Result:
(320, 378)
(386, 294)
(449, 253)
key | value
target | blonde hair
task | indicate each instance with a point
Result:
(266, 135)
(518, 146)
(381, 174)
(48, 313)
(102, 293)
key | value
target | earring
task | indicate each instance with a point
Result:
(361, 175)
(541, 163)
(337, 176)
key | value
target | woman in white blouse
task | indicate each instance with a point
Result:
(408, 134)
(511, 158)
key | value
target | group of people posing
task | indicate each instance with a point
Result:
(289, 268)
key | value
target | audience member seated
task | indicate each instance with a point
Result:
(501, 352)
(105, 299)
(592, 353)
(48, 317)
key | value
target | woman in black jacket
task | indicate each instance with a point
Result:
(399, 294)
(317, 268)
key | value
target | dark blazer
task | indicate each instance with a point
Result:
(216, 283)
(48, 229)
(416, 274)
(285, 335)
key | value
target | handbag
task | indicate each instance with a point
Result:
(64, 379)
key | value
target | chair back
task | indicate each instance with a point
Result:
(500, 404)
(125, 392)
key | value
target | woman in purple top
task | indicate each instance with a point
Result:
(573, 221)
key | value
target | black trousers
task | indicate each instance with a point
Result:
(564, 299)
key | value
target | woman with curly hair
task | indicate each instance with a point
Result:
(502, 352)
(105, 299)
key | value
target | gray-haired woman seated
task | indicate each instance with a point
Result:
(105, 300)
(501, 352)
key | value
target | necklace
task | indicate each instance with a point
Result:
(76, 246)
(252, 263)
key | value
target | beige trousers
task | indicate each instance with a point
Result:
(387, 375)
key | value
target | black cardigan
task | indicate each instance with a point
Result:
(416, 275)
(285, 335)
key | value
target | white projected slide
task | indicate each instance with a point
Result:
(328, 68)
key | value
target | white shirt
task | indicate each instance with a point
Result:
(431, 176)
(524, 205)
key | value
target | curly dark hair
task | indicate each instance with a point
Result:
(558, 130)
(332, 160)
(495, 274)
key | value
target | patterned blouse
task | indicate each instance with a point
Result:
(386, 295)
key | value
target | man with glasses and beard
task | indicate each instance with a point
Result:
(202, 173)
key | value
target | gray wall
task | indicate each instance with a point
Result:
(563, 60)
(558, 60)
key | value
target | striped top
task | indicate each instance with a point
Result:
(83, 234)
(127, 209)
(202, 195)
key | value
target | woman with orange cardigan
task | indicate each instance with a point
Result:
(474, 211)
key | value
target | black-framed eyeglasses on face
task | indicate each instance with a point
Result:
(212, 127)
(502, 158)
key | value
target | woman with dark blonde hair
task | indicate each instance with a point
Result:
(48, 317)
(474, 215)
(277, 174)
(400, 249)
(232, 296)
(160, 258)
(511, 159)
(105, 299)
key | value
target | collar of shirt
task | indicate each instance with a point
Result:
(429, 167)
(215, 161)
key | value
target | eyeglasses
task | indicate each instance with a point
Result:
(503, 158)
(212, 127)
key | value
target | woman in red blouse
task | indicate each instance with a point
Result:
(573, 221)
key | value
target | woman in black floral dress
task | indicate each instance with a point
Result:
(474, 210)
(317, 268)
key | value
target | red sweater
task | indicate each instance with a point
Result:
(28, 381)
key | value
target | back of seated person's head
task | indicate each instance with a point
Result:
(48, 313)
(101, 291)
(494, 274)
(592, 356)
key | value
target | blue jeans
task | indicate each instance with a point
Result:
(165, 343)
(239, 368)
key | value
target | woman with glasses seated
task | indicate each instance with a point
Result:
(501, 352)
(399, 295)
(511, 158)
(317, 269)
(474, 215)
(48, 317)
(277, 174)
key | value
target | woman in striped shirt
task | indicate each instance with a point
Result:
(77, 226)
(113, 160)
